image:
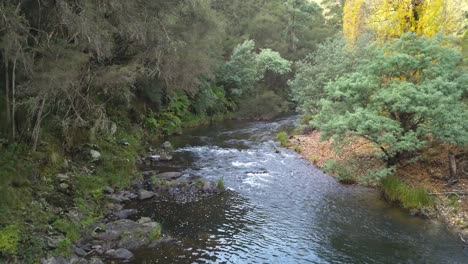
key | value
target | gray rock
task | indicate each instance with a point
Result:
(95, 261)
(166, 146)
(94, 155)
(79, 251)
(55, 260)
(118, 197)
(108, 235)
(78, 260)
(169, 175)
(144, 194)
(207, 187)
(124, 214)
(121, 253)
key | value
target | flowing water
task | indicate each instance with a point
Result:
(281, 209)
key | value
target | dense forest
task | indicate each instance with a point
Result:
(103, 76)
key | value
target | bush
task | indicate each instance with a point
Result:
(410, 198)
(283, 139)
(9, 239)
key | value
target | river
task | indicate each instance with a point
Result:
(281, 209)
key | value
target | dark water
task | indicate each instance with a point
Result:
(281, 209)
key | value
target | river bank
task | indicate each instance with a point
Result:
(428, 173)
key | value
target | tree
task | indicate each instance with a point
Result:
(392, 18)
(331, 60)
(14, 45)
(245, 68)
(409, 92)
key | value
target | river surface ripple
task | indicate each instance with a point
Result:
(281, 209)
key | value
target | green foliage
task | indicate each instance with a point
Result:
(263, 106)
(68, 228)
(400, 94)
(342, 170)
(245, 68)
(331, 60)
(15, 180)
(282, 137)
(298, 149)
(9, 239)
(411, 198)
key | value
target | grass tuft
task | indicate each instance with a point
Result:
(410, 198)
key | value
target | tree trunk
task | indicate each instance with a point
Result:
(7, 91)
(453, 166)
(37, 126)
(13, 100)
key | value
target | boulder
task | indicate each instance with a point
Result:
(169, 175)
(144, 194)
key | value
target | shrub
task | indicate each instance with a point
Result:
(283, 139)
(9, 239)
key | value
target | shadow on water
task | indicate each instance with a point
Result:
(281, 209)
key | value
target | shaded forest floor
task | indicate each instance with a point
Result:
(430, 172)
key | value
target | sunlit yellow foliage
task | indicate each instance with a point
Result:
(391, 18)
(353, 18)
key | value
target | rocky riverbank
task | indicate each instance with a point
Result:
(79, 217)
(430, 172)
